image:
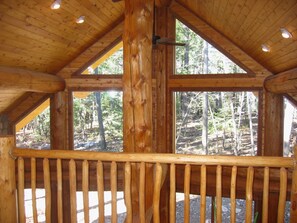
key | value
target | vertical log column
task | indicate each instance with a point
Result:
(163, 21)
(60, 107)
(273, 139)
(8, 205)
(137, 90)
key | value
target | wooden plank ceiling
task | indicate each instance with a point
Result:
(37, 38)
(34, 37)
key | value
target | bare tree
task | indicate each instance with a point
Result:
(102, 140)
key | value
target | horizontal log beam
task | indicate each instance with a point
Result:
(285, 82)
(18, 79)
(81, 83)
(232, 82)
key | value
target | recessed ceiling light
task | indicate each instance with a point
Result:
(56, 4)
(80, 19)
(265, 48)
(285, 33)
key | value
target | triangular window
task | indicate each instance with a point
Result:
(110, 63)
(198, 56)
(33, 131)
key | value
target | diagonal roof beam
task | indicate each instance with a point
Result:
(218, 40)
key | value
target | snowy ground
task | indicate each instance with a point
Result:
(121, 209)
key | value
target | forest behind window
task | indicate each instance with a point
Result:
(35, 134)
(223, 123)
(98, 121)
(198, 56)
(109, 64)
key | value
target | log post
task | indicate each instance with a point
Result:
(61, 139)
(137, 93)
(273, 139)
(8, 206)
(161, 62)
(273, 124)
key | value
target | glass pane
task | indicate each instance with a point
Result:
(290, 124)
(98, 121)
(111, 63)
(198, 56)
(224, 123)
(35, 134)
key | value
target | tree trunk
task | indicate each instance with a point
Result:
(288, 118)
(102, 141)
(234, 127)
(248, 101)
(205, 106)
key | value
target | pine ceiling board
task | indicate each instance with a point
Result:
(114, 7)
(106, 14)
(270, 23)
(63, 27)
(252, 20)
(46, 40)
(7, 98)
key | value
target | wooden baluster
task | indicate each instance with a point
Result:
(21, 187)
(219, 193)
(100, 191)
(128, 201)
(233, 195)
(33, 188)
(85, 185)
(282, 195)
(156, 196)
(265, 195)
(113, 185)
(47, 187)
(59, 191)
(142, 192)
(172, 193)
(72, 183)
(203, 193)
(293, 209)
(249, 194)
(187, 181)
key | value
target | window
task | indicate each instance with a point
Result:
(290, 123)
(223, 123)
(198, 56)
(98, 121)
(34, 130)
(109, 63)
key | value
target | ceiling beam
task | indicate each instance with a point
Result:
(284, 82)
(18, 79)
(218, 40)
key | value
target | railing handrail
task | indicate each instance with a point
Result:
(209, 160)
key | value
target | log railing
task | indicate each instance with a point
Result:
(123, 162)
(82, 163)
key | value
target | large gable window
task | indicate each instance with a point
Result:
(198, 56)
